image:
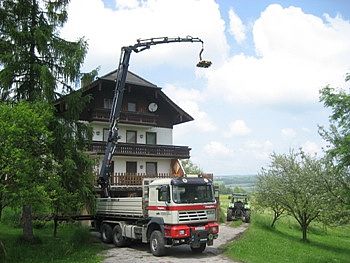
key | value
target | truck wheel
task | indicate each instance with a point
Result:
(200, 249)
(106, 233)
(118, 239)
(157, 243)
(229, 215)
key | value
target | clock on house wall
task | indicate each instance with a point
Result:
(152, 107)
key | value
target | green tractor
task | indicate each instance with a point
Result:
(238, 208)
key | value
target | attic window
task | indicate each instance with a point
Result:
(132, 106)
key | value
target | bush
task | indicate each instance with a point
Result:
(12, 217)
(81, 236)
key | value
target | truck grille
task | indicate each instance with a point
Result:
(192, 216)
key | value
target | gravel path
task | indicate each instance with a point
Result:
(139, 253)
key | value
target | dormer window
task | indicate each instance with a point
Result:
(132, 106)
(107, 103)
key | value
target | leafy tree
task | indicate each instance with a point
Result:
(338, 137)
(36, 64)
(267, 194)
(190, 167)
(25, 157)
(294, 181)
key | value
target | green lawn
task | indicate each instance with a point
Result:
(261, 243)
(73, 244)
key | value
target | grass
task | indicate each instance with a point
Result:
(66, 248)
(261, 243)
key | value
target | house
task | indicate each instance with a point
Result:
(145, 147)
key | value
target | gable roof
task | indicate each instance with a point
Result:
(131, 78)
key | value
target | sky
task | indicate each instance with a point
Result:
(261, 94)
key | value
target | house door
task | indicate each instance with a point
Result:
(151, 168)
(131, 167)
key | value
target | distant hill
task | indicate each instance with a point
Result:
(247, 182)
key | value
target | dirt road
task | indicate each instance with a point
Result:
(139, 253)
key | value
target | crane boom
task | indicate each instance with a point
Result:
(112, 141)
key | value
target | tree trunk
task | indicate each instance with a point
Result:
(304, 230)
(27, 223)
(274, 220)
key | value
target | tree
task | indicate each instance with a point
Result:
(25, 157)
(190, 167)
(338, 137)
(294, 181)
(36, 64)
(35, 61)
(266, 194)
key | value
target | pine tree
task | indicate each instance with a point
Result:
(35, 61)
(36, 64)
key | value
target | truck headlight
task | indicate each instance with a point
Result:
(214, 229)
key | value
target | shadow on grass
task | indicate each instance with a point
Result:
(316, 244)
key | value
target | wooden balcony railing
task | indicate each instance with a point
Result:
(129, 149)
(145, 118)
(124, 179)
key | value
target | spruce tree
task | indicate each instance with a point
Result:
(36, 64)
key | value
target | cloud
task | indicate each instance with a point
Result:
(288, 132)
(311, 148)
(237, 128)
(260, 150)
(237, 29)
(297, 54)
(217, 149)
(189, 100)
(107, 30)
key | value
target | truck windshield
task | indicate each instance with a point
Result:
(189, 193)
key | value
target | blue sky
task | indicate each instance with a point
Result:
(270, 58)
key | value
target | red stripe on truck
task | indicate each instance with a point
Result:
(181, 207)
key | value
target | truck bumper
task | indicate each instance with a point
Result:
(192, 235)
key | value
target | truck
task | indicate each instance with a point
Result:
(165, 212)
(170, 212)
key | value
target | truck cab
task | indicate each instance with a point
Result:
(186, 207)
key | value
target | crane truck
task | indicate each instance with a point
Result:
(167, 212)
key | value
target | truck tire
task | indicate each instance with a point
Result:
(200, 249)
(117, 237)
(229, 215)
(157, 243)
(106, 233)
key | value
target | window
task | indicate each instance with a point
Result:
(131, 167)
(163, 193)
(131, 136)
(151, 168)
(107, 103)
(188, 193)
(105, 134)
(151, 138)
(132, 106)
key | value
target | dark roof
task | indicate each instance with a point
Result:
(131, 78)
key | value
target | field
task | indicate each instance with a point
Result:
(261, 243)
(73, 244)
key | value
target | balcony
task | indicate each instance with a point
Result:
(144, 150)
(143, 118)
(124, 179)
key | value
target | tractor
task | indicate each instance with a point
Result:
(238, 208)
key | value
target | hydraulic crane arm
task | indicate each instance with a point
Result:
(141, 45)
